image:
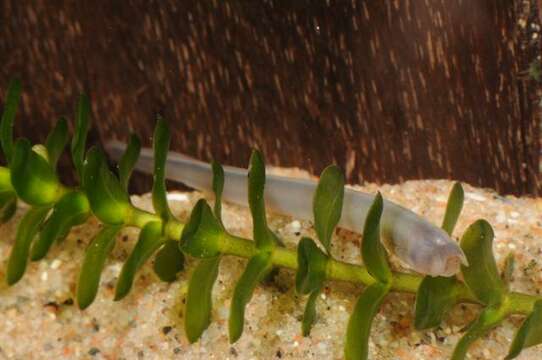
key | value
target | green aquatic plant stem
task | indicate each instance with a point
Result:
(343, 271)
(287, 258)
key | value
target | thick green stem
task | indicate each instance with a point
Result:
(342, 271)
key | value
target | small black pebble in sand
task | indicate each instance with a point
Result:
(233, 352)
(278, 354)
(68, 302)
(166, 329)
(93, 351)
(95, 325)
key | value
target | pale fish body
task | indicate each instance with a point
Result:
(420, 245)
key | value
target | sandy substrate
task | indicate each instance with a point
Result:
(39, 319)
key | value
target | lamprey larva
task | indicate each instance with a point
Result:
(420, 245)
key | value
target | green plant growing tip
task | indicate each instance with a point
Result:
(55, 209)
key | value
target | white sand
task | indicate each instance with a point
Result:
(39, 320)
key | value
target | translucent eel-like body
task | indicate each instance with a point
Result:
(420, 245)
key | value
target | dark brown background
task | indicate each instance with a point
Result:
(389, 90)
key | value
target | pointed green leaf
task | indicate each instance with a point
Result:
(328, 204)
(199, 302)
(108, 200)
(79, 139)
(481, 276)
(26, 231)
(257, 268)
(169, 261)
(128, 160)
(161, 145)
(453, 208)
(72, 209)
(530, 332)
(218, 187)
(8, 206)
(150, 240)
(489, 318)
(359, 324)
(435, 297)
(91, 271)
(56, 141)
(203, 233)
(32, 177)
(372, 251)
(263, 237)
(309, 315)
(11, 104)
(312, 266)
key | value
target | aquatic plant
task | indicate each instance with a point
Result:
(30, 175)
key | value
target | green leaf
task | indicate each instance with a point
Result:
(33, 178)
(72, 209)
(312, 266)
(489, 318)
(79, 139)
(128, 160)
(309, 315)
(95, 255)
(8, 206)
(359, 324)
(257, 268)
(169, 261)
(150, 240)
(161, 145)
(435, 297)
(108, 200)
(372, 251)
(218, 187)
(263, 237)
(203, 233)
(453, 208)
(11, 104)
(56, 141)
(530, 332)
(328, 204)
(481, 276)
(26, 231)
(199, 303)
